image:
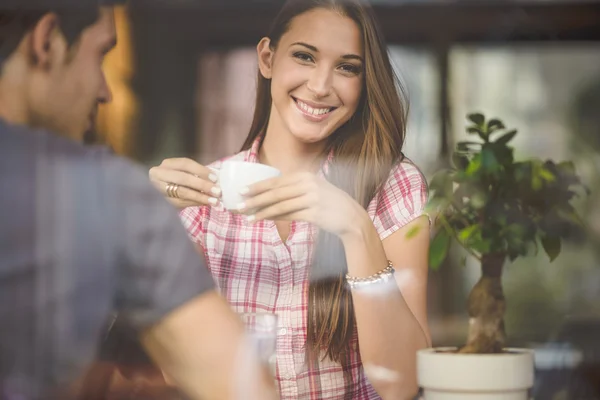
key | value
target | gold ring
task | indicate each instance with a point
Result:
(172, 190)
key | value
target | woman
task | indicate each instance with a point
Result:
(329, 116)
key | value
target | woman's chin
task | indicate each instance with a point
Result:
(310, 137)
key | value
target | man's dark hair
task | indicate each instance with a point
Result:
(19, 18)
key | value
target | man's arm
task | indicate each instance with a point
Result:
(201, 349)
(166, 293)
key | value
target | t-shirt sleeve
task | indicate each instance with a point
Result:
(401, 200)
(159, 268)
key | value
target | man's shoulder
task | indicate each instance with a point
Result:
(25, 141)
(42, 146)
(91, 173)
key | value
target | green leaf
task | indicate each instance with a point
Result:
(536, 182)
(460, 161)
(465, 146)
(474, 130)
(465, 234)
(435, 204)
(494, 125)
(552, 246)
(474, 165)
(441, 184)
(439, 249)
(570, 216)
(547, 175)
(480, 245)
(522, 171)
(507, 137)
(514, 231)
(412, 232)
(488, 160)
(503, 154)
(478, 200)
(484, 136)
(477, 118)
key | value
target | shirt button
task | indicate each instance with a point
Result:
(282, 331)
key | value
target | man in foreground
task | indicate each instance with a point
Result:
(84, 234)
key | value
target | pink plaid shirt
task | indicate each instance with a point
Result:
(257, 272)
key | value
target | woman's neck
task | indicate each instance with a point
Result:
(286, 153)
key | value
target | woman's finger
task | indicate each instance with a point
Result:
(194, 197)
(273, 183)
(273, 196)
(179, 203)
(189, 166)
(183, 179)
(182, 196)
(288, 208)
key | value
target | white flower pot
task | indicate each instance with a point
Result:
(445, 375)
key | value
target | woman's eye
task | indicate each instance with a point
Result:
(303, 57)
(349, 68)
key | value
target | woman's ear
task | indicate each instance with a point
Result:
(265, 57)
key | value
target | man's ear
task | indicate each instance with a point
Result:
(265, 57)
(43, 36)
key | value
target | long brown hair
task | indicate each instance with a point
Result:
(365, 150)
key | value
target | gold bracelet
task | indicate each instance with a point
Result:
(382, 276)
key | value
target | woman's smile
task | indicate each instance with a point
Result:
(312, 111)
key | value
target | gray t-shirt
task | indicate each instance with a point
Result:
(83, 234)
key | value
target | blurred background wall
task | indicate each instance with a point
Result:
(184, 73)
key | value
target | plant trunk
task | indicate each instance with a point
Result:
(486, 306)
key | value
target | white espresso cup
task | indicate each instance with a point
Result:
(236, 175)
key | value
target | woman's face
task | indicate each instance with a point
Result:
(316, 75)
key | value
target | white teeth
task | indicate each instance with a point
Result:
(313, 111)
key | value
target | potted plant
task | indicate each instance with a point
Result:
(497, 209)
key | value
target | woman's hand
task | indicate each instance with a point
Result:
(196, 184)
(301, 197)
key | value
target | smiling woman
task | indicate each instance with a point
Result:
(329, 116)
(316, 81)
